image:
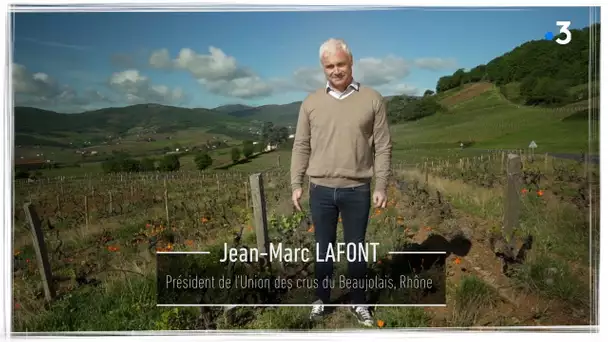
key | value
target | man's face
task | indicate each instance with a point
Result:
(338, 69)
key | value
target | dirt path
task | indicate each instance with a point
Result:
(514, 307)
(468, 93)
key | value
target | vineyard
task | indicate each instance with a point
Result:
(102, 233)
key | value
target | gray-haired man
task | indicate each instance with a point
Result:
(342, 140)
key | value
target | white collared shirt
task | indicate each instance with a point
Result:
(352, 87)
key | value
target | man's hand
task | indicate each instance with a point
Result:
(295, 198)
(379, 199)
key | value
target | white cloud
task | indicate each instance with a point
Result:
(138, 88)
(39, 89)
(217, 72)
(160, 59)
(386, 74)
(401, 89)
(379, 71)
(435, 63)
(307, 79)
(33, 84)
(221, 74)
(371, 71)
(243, 87)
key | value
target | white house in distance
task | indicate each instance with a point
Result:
(270, 147)
(291, 136)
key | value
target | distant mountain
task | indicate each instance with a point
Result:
(278, 114)
(231, 108)
(116, 120)
(34, 126)
(286, 114)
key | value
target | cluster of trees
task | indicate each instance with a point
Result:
(246, 152)
(409, 108)
(273, 135)
(203, 160)
(122, 162)
(546, 91)
(544, 69)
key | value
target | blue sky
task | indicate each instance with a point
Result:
(72, 62)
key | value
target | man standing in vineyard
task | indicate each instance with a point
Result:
(342, 140)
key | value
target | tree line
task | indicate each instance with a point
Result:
(410, 108)
(545, 70)
(121, 161)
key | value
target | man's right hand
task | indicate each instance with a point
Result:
(295, 198)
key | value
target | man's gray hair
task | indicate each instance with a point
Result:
(332, 46)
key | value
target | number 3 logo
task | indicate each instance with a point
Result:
(564, 29)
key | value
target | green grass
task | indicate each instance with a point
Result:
(472, 297)
(512, 93)
(492, 122)
(126, 301)
(124, 305)
(554, 279)
(489, 121)
(74, 171)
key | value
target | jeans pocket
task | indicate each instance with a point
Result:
(366, 188)
(311, 187)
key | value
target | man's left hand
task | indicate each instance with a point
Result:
(379, 199)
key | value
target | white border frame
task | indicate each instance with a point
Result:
(384, 334)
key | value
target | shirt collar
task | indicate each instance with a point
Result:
(355, 85)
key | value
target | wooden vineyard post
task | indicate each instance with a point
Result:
(166, 196)
(111, 204)
(247, 197)
(41, 252)
(511, 204)
(546, 162)
(258, 201)
(586, 165)
(86, 212)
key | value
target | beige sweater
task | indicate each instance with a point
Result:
(342, 143)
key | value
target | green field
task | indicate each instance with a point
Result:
(127, 212)
(491, 122)
(488, 121)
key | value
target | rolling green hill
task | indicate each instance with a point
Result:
(492, 104)
(35, 126)
(278, 114)
(117, 120)
(490, 121)
(40, 127)
(231, 108)
(538, 91)
(539, 72)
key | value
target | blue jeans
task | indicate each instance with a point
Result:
(326, 205)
